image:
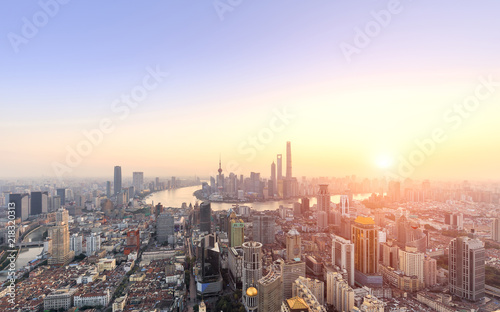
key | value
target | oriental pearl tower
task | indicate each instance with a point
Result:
(220, 180)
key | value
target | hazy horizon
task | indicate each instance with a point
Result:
(244, 82)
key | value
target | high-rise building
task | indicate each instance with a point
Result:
(466, 263)
(279, 164)
(61, 192)
(339, 293)
(93, 244)
(343, 256)
(290, 271)
(495, 230)
(455, 220)
(270, 290)
(430, 269)
(39, 203)
(61, 253)
(118, 180)
(323, 198)
(390, 255)
(321, 219)
(205, 217)
(22, 205)
(366, 249)
(273, 179)
(237, 230)
(108, 189)
(293, 245)
(288, 160)
(173, 183)
(164, 227)
(251, 274)
(304, 286)
(137, 182)
(133, 242)
(263, 229)
(344, 205)
(56, 203)
(76, 244)
(305, 205)
(411, 262)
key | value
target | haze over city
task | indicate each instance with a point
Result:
(429, 66)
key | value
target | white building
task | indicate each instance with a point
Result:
(59, 299)
(76, 243)
(93, 299)
(93, 244)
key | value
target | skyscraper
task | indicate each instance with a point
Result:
(137, 182)
(22, 205)
(108, 189)
(430, 268)
(263, 229)
(495, 230)
(251, 274)
(344, 205)
(164, 227)
(39, 202)
(270, 290)
(237, 232)
(205, 217)
(343, 256)
(411, 262)
(366, 249)
(290, 271)
(288, 161)
(279, 167)
(466, 268)
(93, 244)
(273, 178)
(293, 245)
(61, 253)
(323, 198)
(61, 192)
(76, 243)
(118, 180)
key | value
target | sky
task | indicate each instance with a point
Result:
(373, 88)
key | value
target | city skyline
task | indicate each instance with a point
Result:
(346, 113)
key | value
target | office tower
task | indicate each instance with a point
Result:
(304, 286)
(288, 160)
(321, 219)
(61, 253)
(339, 293)
(366, 249)
(173, 183)
(279, 170)
(270, 290)
(235, 264)
(495, 230)
(157, 184)
(430, 268)
(293, 245)
(252, 272)
(61, 192)
(411, 263)
(466, 268)
(273, 178)
(323, 198)
(390, 255)
(237, 230)
(108, 189)
(343, 256)
(138, 182)
(263, 229)
(118, 180)
(22, 205)
(76, 244)
(344, 205)
(205, 217)
(290, 271)
(210, 280)
(56, 203)
(164, 227)
(39, 203)
(305, 205)
(93, 244)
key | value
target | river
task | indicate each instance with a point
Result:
(175, 198)
(28, 254)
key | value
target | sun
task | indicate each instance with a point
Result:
(384, 161)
